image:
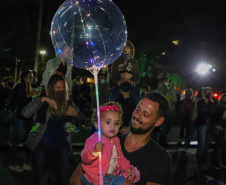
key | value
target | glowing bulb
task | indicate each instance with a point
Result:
(203, 69)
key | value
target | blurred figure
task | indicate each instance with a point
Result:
(205, 108)
(170, 95)
(6, 93)
(177, 97)
(198, 97)
(128, 96)
(145, 89)
(218, 132)
(76, 89)
(85, 97)
(1, 91)
(21, 96)
(186, 109)
(9, 84)
(35, 82)
(125, 71)
(61, 64)
(126, 67)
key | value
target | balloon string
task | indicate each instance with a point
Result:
(95, 72)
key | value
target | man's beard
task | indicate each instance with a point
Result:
(140, 131)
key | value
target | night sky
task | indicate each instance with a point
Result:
(199, 25)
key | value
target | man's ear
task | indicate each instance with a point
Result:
(159, 121)
(96, 125)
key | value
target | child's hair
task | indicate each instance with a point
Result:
(111, 105)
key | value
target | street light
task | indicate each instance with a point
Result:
(43, 52)
(203, 68)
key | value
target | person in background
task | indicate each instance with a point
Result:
(145, 89)
(186, 109)
(218, 132)
(165, 90)
(85, 96)
(61, 64)
(2, 101)
(205, 107)
(9, 84)
(125, 71)
(198, 97)
(76, 93)
(35, 83)
(126, 67)
(50, 145)
(21, 96)
(153, 161)
(128, 96)
(6, 93)
(76, 89)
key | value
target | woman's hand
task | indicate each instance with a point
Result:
(72, 112)
(50, 101)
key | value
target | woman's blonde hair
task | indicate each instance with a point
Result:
(110, 103)
(61, 104)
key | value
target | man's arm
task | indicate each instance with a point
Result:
(75, 178)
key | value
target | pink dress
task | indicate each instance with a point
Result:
(90, 158)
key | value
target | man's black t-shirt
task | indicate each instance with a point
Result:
(153, 162)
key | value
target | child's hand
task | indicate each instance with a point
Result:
(131, 174)
(99, 147)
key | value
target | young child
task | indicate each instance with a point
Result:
(116, 168)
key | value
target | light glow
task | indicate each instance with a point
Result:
(203, 68)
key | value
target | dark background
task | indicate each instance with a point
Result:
(152, 25)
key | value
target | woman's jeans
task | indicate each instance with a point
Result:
(204, 140)
(46, 157)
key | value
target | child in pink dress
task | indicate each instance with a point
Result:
(116, 168)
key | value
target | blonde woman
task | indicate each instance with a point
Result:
(50, 145)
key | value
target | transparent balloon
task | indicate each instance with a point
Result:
(95, 30)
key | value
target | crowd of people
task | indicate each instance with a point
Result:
(135, 122)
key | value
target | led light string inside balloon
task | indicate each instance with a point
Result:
(96, 27)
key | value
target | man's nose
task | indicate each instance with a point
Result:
(138, 115)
